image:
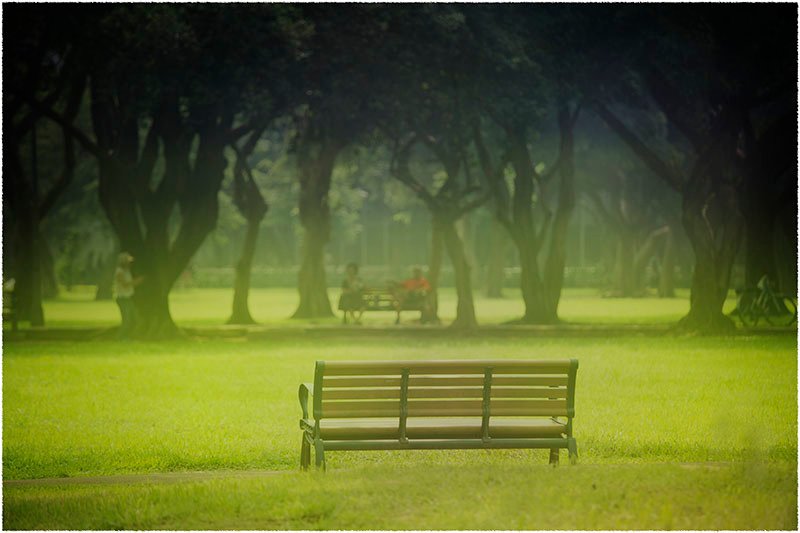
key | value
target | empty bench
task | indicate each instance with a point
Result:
(425, 405)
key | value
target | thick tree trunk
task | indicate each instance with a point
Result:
(557, 256)
(241, 284)
(534, 295)
(28, 279)
(714, 225)
(495, 264)
(312, 283)
(105, 278)
(315, 172)
(153, 317)
(465, 307)
(524, 234)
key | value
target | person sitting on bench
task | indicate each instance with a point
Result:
(351, 300)
(414, 293)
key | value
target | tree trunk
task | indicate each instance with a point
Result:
(48, 271)
(29, 284)
(153, 318)
(105, 278)
(666, 279)
(466, 233)
(241, 285)
(251, 204)
(465, 308)
(435, 268)
(312, 284)
(557, 256)
(495, 264)
(315, 172)
(623, 264)
(642, 257)
(714, 225)
(533, 291)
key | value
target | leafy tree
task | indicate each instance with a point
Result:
(710, 84)
(42, 70)
(168, 83)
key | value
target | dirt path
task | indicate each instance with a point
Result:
(125, 479)
(181, 477)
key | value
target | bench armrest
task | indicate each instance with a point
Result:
(306, 390)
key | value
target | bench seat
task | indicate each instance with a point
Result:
(439, 428)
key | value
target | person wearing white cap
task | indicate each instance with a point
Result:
(124, 286)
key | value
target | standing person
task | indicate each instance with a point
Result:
(124, 285)
(351, 300)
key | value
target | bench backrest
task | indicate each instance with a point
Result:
(380, 389)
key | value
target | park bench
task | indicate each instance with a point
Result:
(386, 300)
(423, 405)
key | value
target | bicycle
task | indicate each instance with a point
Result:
(761, 301)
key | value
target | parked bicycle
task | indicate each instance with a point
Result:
(763, 302)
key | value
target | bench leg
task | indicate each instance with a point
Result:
(319, 450)
(572, 446)
(554, 456)
(305, 453)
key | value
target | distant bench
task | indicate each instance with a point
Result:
(387, 300)
(423, 405)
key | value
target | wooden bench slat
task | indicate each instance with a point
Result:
(365, 409)
(443, 392)
(360, 382)
(528, 407)
(358, 394)
(445, 381)
(380, 368)
(527, 392)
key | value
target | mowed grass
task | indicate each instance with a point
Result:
(432, 496)
(645, 408)
(205, 307)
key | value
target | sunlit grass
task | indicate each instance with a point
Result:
(433, 496)
(205, 307)
(644, 406)
(72, 409)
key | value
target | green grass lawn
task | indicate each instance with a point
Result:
(644, 406)
(204, 307)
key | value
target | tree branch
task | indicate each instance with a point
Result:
(659, 167)
(87, 144)
(668, 99)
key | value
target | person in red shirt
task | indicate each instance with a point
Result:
(417, 282)
(415, 293)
